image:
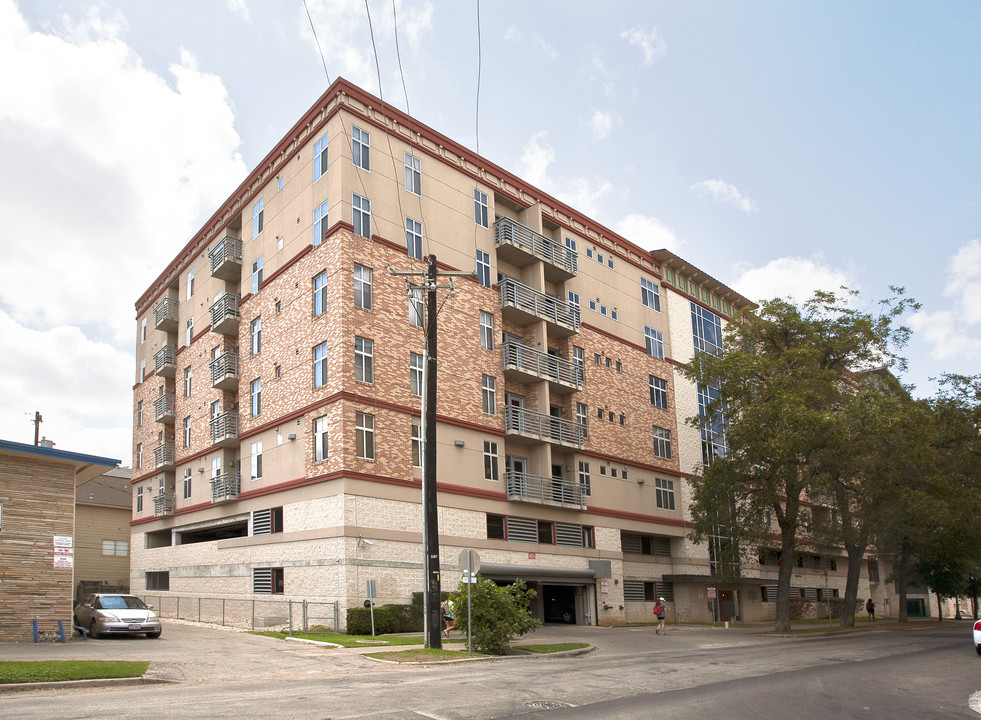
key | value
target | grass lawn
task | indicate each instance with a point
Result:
(60, 670)
(423, 655)
(554, 648)
(352, 641)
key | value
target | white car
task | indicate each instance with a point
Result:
(977, 636)
(112, 614)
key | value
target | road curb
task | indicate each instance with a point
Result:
(75, 684)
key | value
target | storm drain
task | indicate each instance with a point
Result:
(546, 705)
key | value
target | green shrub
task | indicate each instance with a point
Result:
(499, 614)
(388, 619)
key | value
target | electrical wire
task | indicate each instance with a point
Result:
(317, 40)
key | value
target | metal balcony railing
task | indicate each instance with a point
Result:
(538, 304)
(164, 504)
(164, 407)
(224, 314)
(547, 428)
(224, 428)
(165, 361)
(165, 315)
(512, 233)
(224, 371)
(225, 487)
(532, 362)
(163, 456)
(523, 487)
(226, 258)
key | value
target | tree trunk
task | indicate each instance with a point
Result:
(902, 577)
(787, 544)
(940, 607)
(850, 602)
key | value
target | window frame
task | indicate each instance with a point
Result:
(481, 208)
(662, 442)
(319, 217)
(320, 355)
(486, 330)
(255, 330)
(361, 215)
(650, 294)
(413, 238)
(321, 440)
(664, 494)
(320, 293)
(488, 394)
(258, 212)
(659, 391)
(364, 435)
(362, 286)
(364, 360)
(491, 461)
(360, 148)
(413, 174)
(416, 375)
(320, 158)
(654, 342)
(483, 268)
(255, 397)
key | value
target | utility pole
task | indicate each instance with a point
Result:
(37, 427)
(432, 617)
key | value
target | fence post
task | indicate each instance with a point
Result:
(290, 614)
(337, 618)
(253, 614)
(306, 617)
(223, 612)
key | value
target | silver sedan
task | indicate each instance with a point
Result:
(112, 614)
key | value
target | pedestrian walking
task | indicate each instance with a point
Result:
(659, 610)
(446, 607)
(870, 609)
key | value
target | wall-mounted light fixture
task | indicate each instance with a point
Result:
(459, 443)
(640, 481)
(291, 437)
(201, 470)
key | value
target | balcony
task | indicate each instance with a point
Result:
(163, 456)
(522, 304)
(523, 487)
(224, 371)
(225, 487)
(165, 315)
(224, 314)
(226, 259)
(164, 504)
(165, 361)
(224, 430)
(524, 364)
(520, 246)
(164, 408)
(528, 424)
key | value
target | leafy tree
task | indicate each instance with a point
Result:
(781, 382)
(499, 613)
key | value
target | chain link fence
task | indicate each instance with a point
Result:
(284, 615)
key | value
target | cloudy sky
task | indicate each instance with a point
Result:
(781, 147)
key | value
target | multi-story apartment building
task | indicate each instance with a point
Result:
(278, 440)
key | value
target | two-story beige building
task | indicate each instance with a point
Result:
(277, 404)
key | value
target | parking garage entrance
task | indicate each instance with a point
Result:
(564, 595)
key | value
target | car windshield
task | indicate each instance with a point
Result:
(121, 602)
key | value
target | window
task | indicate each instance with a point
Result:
(190, 283)
(489, 394)
(635, 544)
(362, 287)
(256, 330)
(320, 439)
(584, 477)
(546, 532)
(216, 467)
(570, 243)
(416, 311)
(320, 294)
(483, 268)
(257, 217)
(480, 208)
(360, 148)
(664, 493)
(256, 459)
(319, 223)
(415, 374)
(139, 413)
(662, 442)
(119, 548)
(599, 258)
(654, 342)
(659, 392)
(495, 527)
(490, 461)
(320, 365)
(361, 215)
(649, 294)
(187, 483)
(255, 395)
(139, 456)
(187, 432)
(364, 360)
(267, 521)
(417, 440)
(413, 174)
(319, 159)
(158, 580)
(267, 581)
(603, 470)
(600, 413)
(581, 419)
(619, 366)
(609, 263)
(873, 566)
(189, 331)
(486, 330)
(365, 435)
(139, 499)
(143, 331)
(187, 381)
(592, 305)
(257, 274)
(413, 237)
(589, 253)
(574, 301)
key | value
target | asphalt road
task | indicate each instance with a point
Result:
(926, 670)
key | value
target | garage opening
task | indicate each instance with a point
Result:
(560, 603)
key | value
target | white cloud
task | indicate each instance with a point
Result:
(535, 160)
(416, 22)
(512, 34)
(790, 277)
(955, 333)
(238, 7)
(581, 193)
(108, 170)
(602, 124)
(549, 50)
(725, 194)
(648, 40)
(648, 232)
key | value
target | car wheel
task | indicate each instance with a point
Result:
(153, 634)
(567, 617)
(93, 631)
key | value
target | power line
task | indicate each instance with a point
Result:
(317, 40)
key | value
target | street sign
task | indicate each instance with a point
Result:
(711, 593)
(472, 563)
